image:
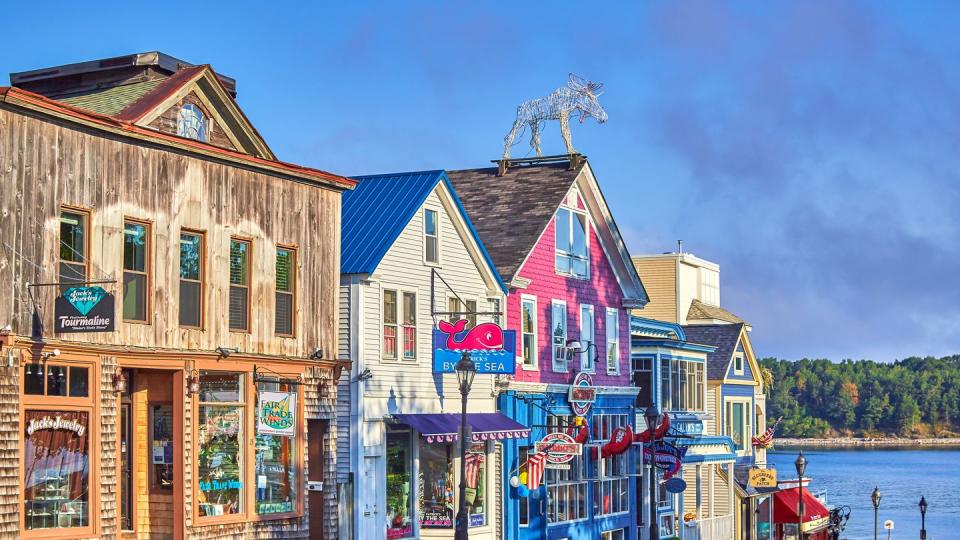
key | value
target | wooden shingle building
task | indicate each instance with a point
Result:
(168, 311)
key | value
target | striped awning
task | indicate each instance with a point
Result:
(445, 427)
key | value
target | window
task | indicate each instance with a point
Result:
(191, 123)
(191, 279)
(399, 322)
(523, 503)
(136, 270)
(613, 341)
(239, 284)
(738, 424)
(566, 488)
(664, 497)
(161, 447)
(436, 506)
(286, 299)
(275, 463)
(45, 379)
(572, 257)
(465, 310)
(709, 287)
(528, 330)
(558, 322)
(610, 491)
(738, 364)
(666, 403)
(643, 379)
(399, 511)
(56, 483)
(476, 500)
(618, 534)
(73, 247)
(431, 237)
(587, 353)
(220, 442)
(683, 385)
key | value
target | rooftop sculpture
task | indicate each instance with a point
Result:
(578, 95)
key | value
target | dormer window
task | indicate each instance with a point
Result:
(191, 123)
(572, 255)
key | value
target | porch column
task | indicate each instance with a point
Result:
(699, 492)
(710, 493)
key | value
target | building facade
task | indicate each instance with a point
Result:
(413, 264)
(170, 308)
(571, 284)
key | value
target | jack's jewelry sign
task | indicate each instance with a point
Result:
(84, 309)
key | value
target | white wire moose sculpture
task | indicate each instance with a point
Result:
(578, 96)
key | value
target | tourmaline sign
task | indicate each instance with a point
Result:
(84, 309)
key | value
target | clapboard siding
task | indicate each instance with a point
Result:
(344, 387)
(659, 277)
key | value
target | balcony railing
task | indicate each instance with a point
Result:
(715, 528)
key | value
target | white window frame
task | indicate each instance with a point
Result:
(562, 483)
(606, 482)
(747, 425)
(613, 345)
(738, 358)
(427, 236)
(588, 354)
(586, 240)
(399, 325)
(563, 365)
(535, 366)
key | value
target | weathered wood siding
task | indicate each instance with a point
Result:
(44, 164)
(659, 276)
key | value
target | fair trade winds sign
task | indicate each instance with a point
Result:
(84, 309)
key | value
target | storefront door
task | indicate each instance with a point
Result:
(153, 440)
(316, 431)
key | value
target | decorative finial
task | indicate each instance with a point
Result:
(579, 95)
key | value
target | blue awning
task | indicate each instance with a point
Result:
(444, 427)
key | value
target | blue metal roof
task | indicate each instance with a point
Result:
(375, 213)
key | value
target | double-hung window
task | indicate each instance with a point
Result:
(239, 284)
(572, 255)
(685, 379)
(431, 237)
(587, 346)
(74, 226)
(643, 379)
(558, 325)
(613, 341)
(612, 488)
(286, 293)
(399, 325)
(738, 424)
(462, 310)
(528, 329)
(191, 279)
(136, 270)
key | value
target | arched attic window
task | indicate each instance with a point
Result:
(191, 123)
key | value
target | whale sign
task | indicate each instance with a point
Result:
(492, 349)
(84, 309)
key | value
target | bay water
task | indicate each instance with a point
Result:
(902, 474)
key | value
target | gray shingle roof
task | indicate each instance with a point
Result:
(699, 310)
(110, 101)
(510, 212)
(723, 336)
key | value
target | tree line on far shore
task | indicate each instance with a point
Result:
(916, 397)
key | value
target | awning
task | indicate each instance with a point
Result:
(444, 427)
(815, 514)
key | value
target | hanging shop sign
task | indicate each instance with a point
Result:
(582, 394)
(277, 413)
(84, 309)
(669, 457)
(492, 349)
(762, 478)
(559, 449)
(675, 485)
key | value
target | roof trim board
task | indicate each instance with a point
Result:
(751, 358)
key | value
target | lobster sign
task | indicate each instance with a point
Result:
(492, 349)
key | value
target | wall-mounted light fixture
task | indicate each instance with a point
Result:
(193, 383)
(119, 382)
(365, 375)
(225, 352)
(317, 354)
(47, 355)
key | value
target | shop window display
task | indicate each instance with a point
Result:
(399, 481)
(436, 486)
(219, 440)
(276, 466)
(161, 453)
(56, 469)
(477, 484)
(566, 488)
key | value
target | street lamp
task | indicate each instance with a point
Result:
(875, 497)
(652, 415)
(923, 518)
(801, 465)
(466, 371)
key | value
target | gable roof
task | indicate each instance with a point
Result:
(511, 212)
(699, 311)
(375, 213)
(724, 337)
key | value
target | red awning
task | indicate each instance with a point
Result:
(785, 507)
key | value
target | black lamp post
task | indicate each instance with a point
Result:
(923, 518)
(875, 497)
(466, 371)
(652, 415)
(801, 465)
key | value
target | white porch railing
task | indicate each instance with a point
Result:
(715, 528)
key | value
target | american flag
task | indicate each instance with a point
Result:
(766, 440)
(474, 462)
(535, 465)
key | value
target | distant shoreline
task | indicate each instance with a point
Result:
(878, 442)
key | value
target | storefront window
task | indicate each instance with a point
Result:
(566, 488)
(56, 469)
(220, 444)
(477, 484)
(764, 517)
(436, 486)
(275, 457)
(399, 507)
(610, 491)
(524, 502)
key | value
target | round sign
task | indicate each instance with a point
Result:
(582, 394)
(559, 447)
(675, 485)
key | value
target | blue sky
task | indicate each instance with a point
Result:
(807, 147)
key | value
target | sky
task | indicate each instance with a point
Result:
(807, 147)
